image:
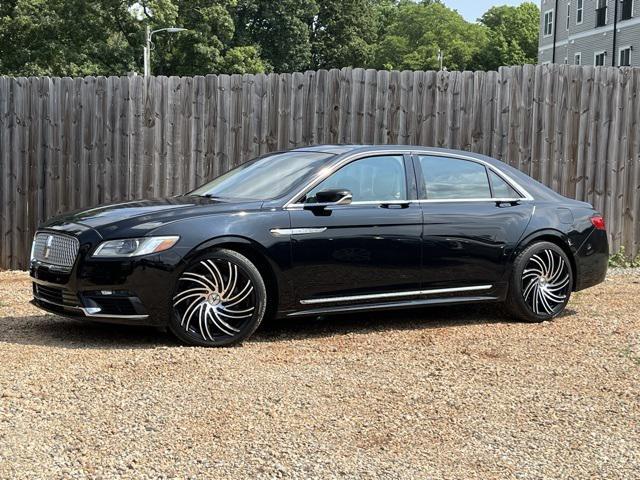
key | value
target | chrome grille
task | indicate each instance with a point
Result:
(55, 249)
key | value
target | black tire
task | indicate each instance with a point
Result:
(540, 284)
(204, 294)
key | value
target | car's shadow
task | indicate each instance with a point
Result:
(56, 331)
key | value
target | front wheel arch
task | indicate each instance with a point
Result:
(256, 254)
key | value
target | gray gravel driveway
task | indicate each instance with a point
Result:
(452, 393)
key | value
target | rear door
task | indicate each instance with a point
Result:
(367, 249)
(473, 218)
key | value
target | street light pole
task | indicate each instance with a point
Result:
(148, 45)
(147, 39)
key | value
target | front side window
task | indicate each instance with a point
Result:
(548, 23)
(599, 59)
(370, 179)
(265, 178)
(577, 59)
(454, 179)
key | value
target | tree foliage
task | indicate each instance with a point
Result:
(513, 35)
(420, 30)
(281, 30)
(105, 37)
(345, 32)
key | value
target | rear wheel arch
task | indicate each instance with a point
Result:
(553, 236)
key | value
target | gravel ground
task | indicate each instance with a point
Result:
(455, 393)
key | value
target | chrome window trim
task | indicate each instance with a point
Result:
(463, 200)
(326, 172)
(373, 296)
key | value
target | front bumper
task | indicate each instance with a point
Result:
(127, 291)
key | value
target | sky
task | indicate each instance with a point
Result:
(471, 10)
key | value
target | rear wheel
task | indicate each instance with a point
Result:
(219, 300)
(541, 283)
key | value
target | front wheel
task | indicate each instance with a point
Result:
(220, 299)
(541, 283)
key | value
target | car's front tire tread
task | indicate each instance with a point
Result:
(227, 334)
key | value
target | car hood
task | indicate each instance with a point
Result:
(138, 218)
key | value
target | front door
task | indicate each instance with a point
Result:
(369, 249)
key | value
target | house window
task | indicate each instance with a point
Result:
(579, 11)
(568, 15)
(548, 23)
(599, 59)
(601, 13)
(625, 57)
(577, 59)
(626, 9)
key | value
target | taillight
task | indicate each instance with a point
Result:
(598, 222)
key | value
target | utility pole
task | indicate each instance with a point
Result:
(440, 58)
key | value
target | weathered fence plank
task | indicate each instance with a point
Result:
(71, 143)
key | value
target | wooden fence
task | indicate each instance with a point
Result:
(70, 143)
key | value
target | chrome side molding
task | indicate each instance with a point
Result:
(375, 296)
(282, 232)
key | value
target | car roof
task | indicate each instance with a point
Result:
(348, 149)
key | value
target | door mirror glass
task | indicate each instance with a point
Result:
(335, 196)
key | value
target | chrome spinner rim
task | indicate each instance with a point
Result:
(545, 282)
(215, 300)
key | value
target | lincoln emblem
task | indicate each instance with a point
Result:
(47, 248)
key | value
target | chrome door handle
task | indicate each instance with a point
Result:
(399, 204)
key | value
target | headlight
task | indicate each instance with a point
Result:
(133, 247)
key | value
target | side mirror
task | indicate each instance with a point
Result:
(338, 196)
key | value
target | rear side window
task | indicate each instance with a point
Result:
(369, 179)
(500, 188)
(452, 178)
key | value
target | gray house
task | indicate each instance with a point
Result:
(590, 32)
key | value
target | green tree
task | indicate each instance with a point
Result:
(420, 30)
(207, 45)
(76, 37)
(280, 28)
(513, 35)
(345, 32)
(66, 37)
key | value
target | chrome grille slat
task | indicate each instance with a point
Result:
(55, 249)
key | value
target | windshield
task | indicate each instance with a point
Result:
(264, 178)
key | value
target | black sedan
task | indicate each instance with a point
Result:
(321, 230)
